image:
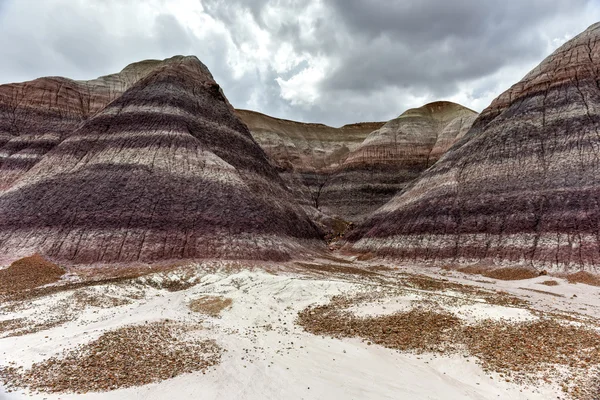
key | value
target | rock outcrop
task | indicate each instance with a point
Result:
(391, 157)
(521, 187)
(164, 171)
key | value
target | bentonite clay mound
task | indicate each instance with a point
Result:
(165, 171)
(520, 187)
(393, 156)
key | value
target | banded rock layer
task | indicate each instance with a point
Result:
(393, 156)
(521, 187)
(306, 153)
(37, 115)
(164, 171)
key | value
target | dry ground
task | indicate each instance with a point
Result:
(522, 339)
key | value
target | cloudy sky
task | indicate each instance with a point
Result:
(330, 61)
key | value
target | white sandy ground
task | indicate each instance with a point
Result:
(284, 362)
(470, 313)
(586, 300)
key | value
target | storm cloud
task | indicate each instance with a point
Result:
(335, 61)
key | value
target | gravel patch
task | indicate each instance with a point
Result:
(28, 273)
(417, 330)
(525, 351)
(57, 312)
(584, 277)
(210, 305)
(550, 283)
(552, 349)
(129, 356)
(499, 298)
(505, 274)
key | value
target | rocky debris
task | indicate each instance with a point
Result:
(28, 273)
(12, 324)
(334, 269)
(543, 292)
(174, 281)
(550, 348)
(528, 351)
(415, 330)
(22, 296)
(550, 282)
(170, 277)
(129, 356)
(166, 171)
(527, 346)
(407, 311)
(87, 298)
(36, 323)
(520, 187)
(505, 274)
(385, 277)
(496, 297)
(210, 305)
(584, 277)
(585, 388)
(511, 273)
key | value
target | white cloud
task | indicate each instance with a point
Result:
(303, 88)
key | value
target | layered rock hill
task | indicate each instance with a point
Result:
(37, 115)
(521, 187)
(305, 153)
(391, 157)
(164, 171)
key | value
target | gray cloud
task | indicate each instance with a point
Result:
(336, 61)
(432, 45)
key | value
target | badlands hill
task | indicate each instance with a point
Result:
(393, 156)
(351, 171)
(307, 154)
(152, 163)
(521, 187)
(164, 171)
(298, 146)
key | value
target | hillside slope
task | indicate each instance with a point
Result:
(37, 115)
(165, 171)
(393, 156)
(521, 186)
